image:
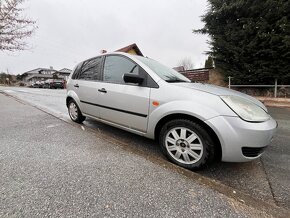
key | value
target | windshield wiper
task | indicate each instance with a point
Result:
(176, 81)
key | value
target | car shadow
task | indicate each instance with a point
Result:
(248, 177)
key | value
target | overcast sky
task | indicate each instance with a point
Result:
(70, 31)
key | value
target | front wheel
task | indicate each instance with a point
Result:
(187, 144)
(74, 112)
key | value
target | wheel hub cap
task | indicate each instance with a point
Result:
(184, 145)
(73, 111)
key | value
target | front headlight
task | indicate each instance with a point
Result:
(246, 109)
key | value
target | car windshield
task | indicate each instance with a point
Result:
(165, 73)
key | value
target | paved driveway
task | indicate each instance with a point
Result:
(266, 179)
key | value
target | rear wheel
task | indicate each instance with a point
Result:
(187, 144)
(74, 112)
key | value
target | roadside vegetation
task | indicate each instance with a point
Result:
(14, 26)
(249, 40)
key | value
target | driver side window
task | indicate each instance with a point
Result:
(116, 66)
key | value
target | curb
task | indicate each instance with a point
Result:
(275, 102)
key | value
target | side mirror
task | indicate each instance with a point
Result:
(132, 78)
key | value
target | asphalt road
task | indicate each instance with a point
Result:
(266, 179)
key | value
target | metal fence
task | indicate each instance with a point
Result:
(275, 86)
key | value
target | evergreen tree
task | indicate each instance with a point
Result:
(250, 39)
(208, 62)
(54, 76)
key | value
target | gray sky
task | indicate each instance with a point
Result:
(70, 31)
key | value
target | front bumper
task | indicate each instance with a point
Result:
(235, 134)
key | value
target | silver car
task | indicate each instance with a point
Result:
(194, 123)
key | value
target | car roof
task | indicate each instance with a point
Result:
(109, 53)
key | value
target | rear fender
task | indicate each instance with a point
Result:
(73, 95)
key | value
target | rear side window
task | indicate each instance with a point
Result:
(116, 66)
(91, 69)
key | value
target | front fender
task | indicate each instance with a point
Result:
(200, 111)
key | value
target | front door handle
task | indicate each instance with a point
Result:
(102, 90)
(76, 85)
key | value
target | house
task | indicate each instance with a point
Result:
(38, 74)
(131, 49)
(62, 74)
(42, 74)
(197, 75)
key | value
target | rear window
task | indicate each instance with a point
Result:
(77, 70)
(91, 69)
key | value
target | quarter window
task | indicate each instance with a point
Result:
(91, 69)
(116, 66)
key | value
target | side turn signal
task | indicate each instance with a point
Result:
(155, 103)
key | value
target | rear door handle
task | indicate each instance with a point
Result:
(76, 85)
(102, 90)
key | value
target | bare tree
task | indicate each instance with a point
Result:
(186, 63)
(14, 27)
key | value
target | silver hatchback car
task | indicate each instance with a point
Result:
(194, 123)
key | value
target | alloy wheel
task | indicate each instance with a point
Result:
(184, 145)
(73, 111)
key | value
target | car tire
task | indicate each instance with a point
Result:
(75, 112)
(187, 144)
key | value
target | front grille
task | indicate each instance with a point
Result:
(252, 152)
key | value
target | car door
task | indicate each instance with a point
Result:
(122, 103)
(86, 85)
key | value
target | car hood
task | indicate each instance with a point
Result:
(220, 91)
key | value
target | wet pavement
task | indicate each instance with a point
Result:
(50, 168)
(266, 179)
(276, 160)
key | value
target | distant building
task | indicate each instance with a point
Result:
(203, 75)
(42, 74)
(197, 75)
(63, 73)
(38, 74)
